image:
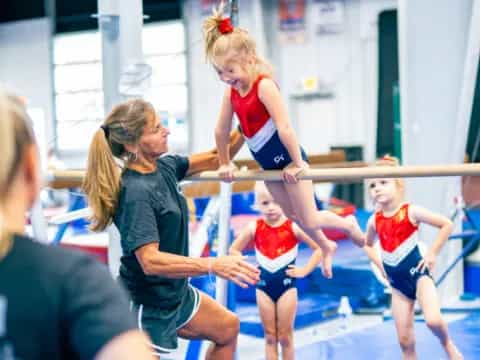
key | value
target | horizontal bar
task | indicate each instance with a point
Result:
(66, 177)
(339, 174)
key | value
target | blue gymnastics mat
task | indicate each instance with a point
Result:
(352, 277)
(380, 343)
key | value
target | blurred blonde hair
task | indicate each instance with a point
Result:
(15, 134)
(217, 45)
(124, 125)
(388, 160)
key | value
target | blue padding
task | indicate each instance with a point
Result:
(193, 350)
(472, 220)
(79, 226)
(242, 203)
(380, 342)
(205, 283)
(471, 274)
(312, 308)
(352, 277)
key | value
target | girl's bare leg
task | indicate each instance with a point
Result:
(428, 300)
(286, 311)
(267, 311)
(279, 193)
(301, 197)
(403, 311)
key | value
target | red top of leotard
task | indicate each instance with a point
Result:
(394, 230)
(250, 110)
(273, 242)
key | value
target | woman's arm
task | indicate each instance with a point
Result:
(154, 262)
(245, 236)
(314, 258)
(224, 124)
(270, 96)
(233, 268)
(419, 215)
(209, 160)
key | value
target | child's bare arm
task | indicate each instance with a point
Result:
(245, 236)
(222, 130)
(270, 96)
(369, 249)
(371, 233)
(419, 215)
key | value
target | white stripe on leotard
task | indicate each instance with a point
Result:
(273, 265)
(395, 257)
(257, 141)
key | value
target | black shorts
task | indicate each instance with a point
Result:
(162, 324)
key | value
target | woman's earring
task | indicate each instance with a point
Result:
(133, 156)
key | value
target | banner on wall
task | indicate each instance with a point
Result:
(291, 16)
(328, 16)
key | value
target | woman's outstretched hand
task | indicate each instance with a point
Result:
(236, 269)
(225, 172)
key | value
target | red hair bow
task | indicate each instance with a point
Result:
(390, 159)
(225, 26)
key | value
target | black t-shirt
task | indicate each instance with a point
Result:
(59, 304)
(151, 209)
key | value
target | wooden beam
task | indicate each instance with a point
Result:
(340, 174)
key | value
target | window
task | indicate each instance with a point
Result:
(78, 83)
(164, 50)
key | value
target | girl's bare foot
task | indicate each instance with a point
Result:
(328, 249)
(452, 351)
(357, 235)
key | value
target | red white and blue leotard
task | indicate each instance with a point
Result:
(259, 130)
(399, 249)
(251, 113)
(396, 234)
(275, 249)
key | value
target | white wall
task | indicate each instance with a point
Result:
(348, 61)
(26, 66)
(436, 105)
